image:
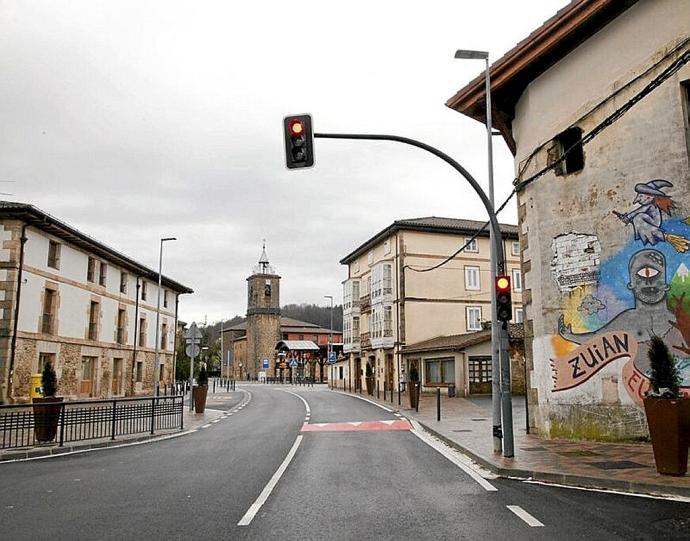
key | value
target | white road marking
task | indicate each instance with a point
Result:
(525, 516)
(668, 497)
(355, 423)
(387, 422)
(206, 425)
(446, 452)
(306, 404)
(365, 399)
(266, 492)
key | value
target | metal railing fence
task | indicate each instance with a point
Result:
(81, 420)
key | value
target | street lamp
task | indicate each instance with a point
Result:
(156, 372)
(330, 339)
(496, 395)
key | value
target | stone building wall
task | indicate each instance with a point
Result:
(605, 265)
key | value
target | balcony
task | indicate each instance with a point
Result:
(365, 341)
(365, 304)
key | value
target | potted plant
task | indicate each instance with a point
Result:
(413, 387)
(200, 390)
(369, 378)
(47, 408)
(668, 413)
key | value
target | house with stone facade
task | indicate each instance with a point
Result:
(393, 299)
(68, 299)
(594, 106)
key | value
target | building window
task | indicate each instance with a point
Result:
(515, 248)
(91, 270)
(474, 318)
(142, 332)
(387, 247)
(93, 320)
(143, 290)
(164, 336)
(123, 282)
(48, 321)
(140, 371)
(355, 267)
(165, 299)
(355, 329)
(566, 152)
(54, 255)
(479, 370)
(472, 278)
(519, 315)
(88, 376)
(439, 371)
(45, 358)
(517, 280)
(471, 246)
(301, 337)
(102, 278)
(387, 321)
(370, 258)
(121, 326)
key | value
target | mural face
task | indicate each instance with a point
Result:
(612, 306)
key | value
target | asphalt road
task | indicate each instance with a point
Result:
(355, 484)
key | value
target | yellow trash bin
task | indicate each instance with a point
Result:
(36, 390)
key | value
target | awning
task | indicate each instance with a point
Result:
(297, 345)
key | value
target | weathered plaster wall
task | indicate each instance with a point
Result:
(605, 249)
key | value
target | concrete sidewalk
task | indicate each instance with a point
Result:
(191, 422)
(466, 425)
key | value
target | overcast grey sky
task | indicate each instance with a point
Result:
(135, 120)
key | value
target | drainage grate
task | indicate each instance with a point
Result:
(462, 430)
(579, 453)
(620, 465)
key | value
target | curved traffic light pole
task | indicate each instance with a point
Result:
(502, 334)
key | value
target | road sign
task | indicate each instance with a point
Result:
(293, 363)
(264, 363)
(331, 357)
(192, 350)
(193, 333)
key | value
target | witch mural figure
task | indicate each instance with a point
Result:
(647, 219)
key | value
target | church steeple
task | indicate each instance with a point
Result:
(264, 267)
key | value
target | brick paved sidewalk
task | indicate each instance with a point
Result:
(466, 425)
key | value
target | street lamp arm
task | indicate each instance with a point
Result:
(450, 161)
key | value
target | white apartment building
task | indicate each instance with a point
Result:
(388, 304)
(86, 308)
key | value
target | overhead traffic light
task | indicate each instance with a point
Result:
(299, 141)
(504, 306)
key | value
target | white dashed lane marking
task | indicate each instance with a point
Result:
(525, 516)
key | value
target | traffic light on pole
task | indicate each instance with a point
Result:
(299, 141)
(504, 306)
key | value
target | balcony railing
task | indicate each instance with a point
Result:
(365, 341)
(365, 303)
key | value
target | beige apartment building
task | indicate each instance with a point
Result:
(392, 300)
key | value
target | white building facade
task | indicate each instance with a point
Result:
(88, 310)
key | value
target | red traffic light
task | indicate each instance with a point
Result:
(296, 127)
(503, 283)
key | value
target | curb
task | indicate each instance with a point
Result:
(564, 479)
(43, 452)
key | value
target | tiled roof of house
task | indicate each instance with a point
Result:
(45, 222)
(432, 224)
(288, 324)
(457, 342)
(510, 74)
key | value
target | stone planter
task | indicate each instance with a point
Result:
(669, 429)
(46, 417)
(199, 393)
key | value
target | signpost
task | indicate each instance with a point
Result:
(193, 340)
(331, 357)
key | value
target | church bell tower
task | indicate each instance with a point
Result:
(263, 317)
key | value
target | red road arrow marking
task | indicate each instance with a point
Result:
(358, 426)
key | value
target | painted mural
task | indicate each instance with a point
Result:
(612, 306)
